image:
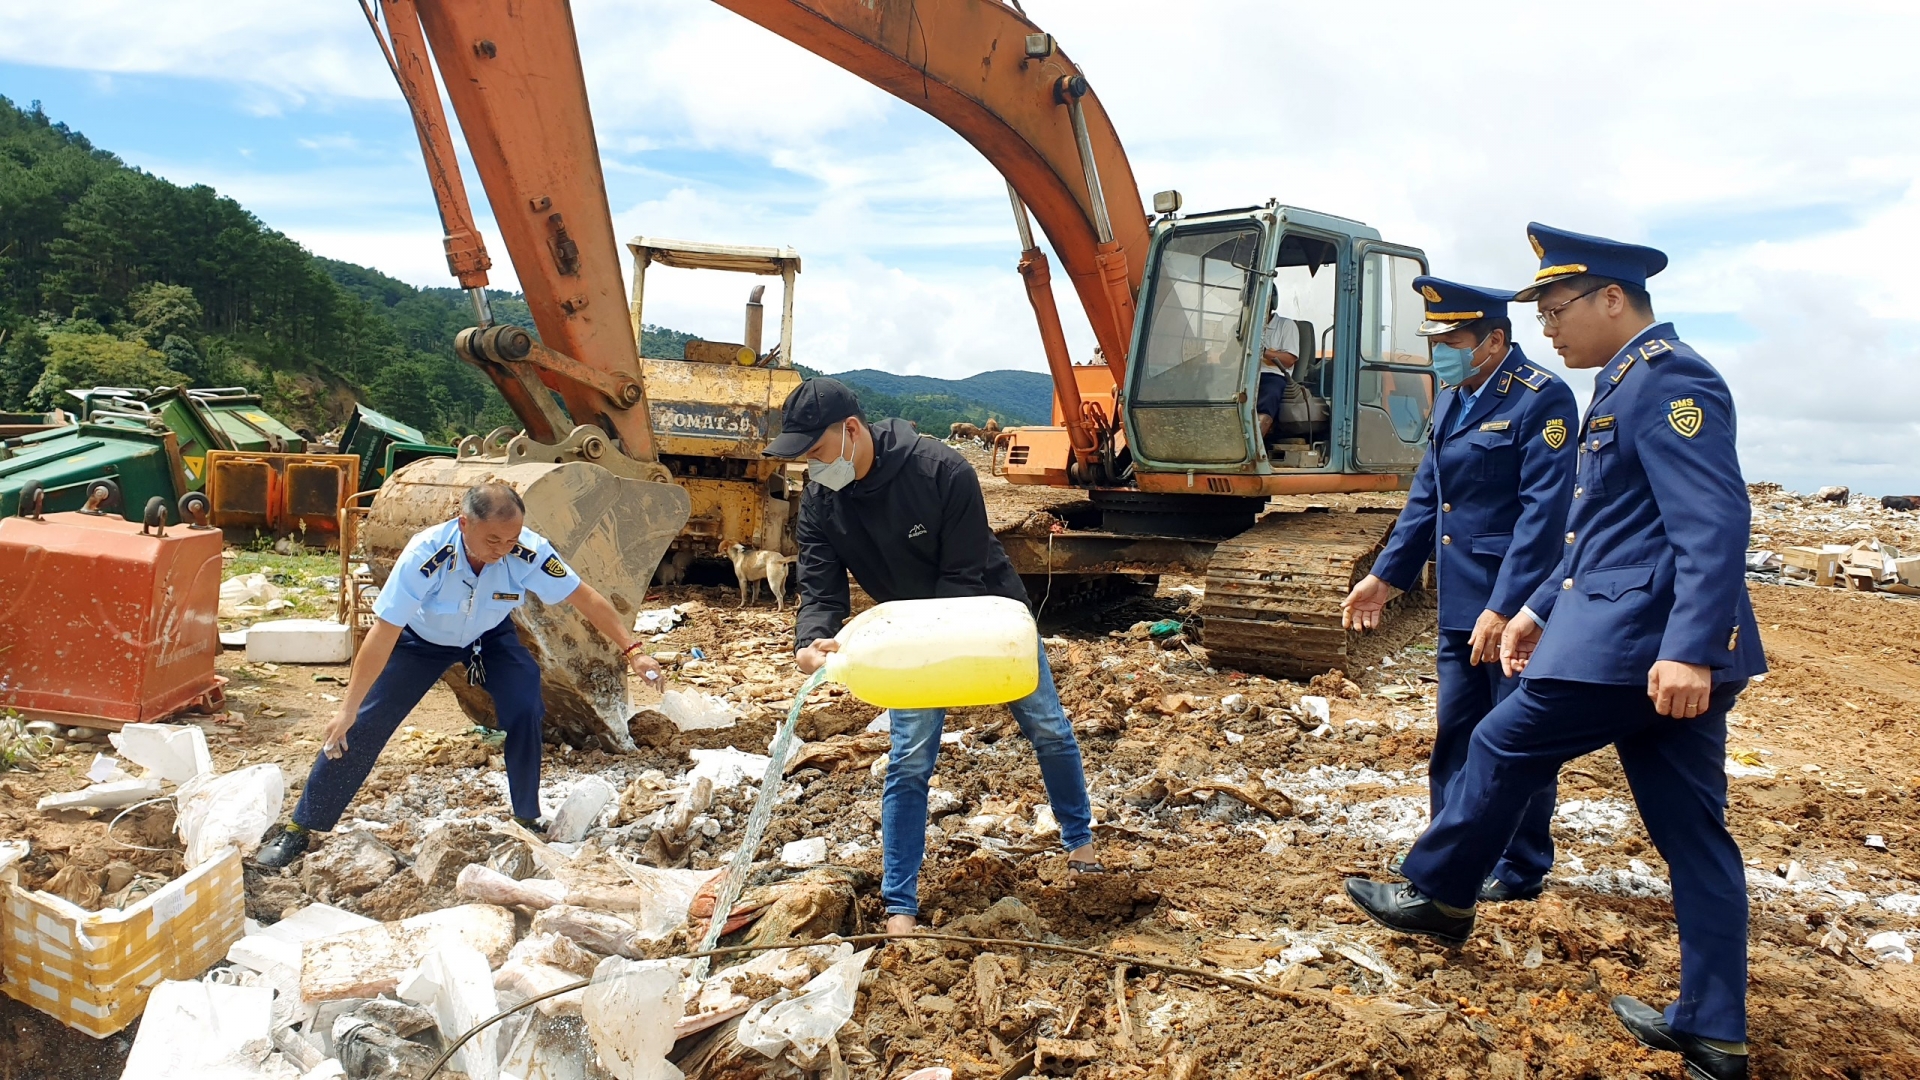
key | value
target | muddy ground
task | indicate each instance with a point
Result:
(1228, 824)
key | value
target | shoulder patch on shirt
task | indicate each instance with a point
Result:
(1555, 433)
(554, 567)
(1654, 348)
(1685, 417)
(1505, 384)
(1532, 377)
(1600, 423)
(1620, 371)
(1496, 425)
(522, 552)
(440, 559)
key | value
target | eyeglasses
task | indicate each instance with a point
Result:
(1551, 317)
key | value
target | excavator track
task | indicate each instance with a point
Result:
(1273, 592)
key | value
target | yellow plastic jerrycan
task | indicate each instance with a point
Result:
(932, 654)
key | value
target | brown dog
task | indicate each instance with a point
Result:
(751, 567)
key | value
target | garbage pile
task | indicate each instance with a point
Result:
(1834, 539)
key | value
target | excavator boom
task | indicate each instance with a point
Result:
(985, 70)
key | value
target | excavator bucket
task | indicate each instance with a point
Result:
(611, 529)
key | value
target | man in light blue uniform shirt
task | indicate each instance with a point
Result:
(1487, 507)
(1642, 638)
(449, 600)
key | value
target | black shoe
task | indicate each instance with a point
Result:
(282, 850)
(1495, 891)
(1704, 1062)
(1402, 908)
(532, 825)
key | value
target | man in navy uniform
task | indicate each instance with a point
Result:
(1487, 507)
(449, 600)
(1642, 638)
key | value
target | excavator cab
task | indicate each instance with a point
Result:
(1220, 289)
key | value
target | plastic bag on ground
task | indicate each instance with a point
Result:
(630, 1011)
(727, 769)
(229, 810)
(658, 620)
(691, 710)
(808, 1021)
(204, 1030)
(178, 753)
(248, 594)
(669, 894)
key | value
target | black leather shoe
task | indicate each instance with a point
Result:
(1650, 1027)
(1495, 891)
(532, 825)
(283, 849)
(1402, 908)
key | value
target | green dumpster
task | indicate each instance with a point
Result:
(246, 425)
(229, 418)
(384, 444)
(140, 455)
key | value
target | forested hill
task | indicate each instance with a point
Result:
(111, 276)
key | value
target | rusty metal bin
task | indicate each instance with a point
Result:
(281, 494)
(105, 622)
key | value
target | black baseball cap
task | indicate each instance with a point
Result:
(812, 408)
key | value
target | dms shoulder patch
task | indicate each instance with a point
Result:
(553, 567)
(522, 552)
(440, 559)
(1685, 417)
(1555, 434)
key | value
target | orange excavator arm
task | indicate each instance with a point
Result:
(985, 70)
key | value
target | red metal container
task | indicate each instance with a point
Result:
(103, 623)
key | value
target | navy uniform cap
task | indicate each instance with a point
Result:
(1566, 254)
(1451, 304)
(814, 406)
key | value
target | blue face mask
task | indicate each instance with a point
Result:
(1452, 364)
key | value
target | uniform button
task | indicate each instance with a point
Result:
(1446, 540)
(1595, 444)
(1577, 491)
(1446, 508)
(1569, 538)
(1567, 584)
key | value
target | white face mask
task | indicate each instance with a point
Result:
(838, 473)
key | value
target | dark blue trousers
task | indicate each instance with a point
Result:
(1467, 694)
(511, 678)
(1677, 770)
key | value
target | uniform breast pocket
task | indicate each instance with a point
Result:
(1611, 583)
(1495, 452)
(1598, 455)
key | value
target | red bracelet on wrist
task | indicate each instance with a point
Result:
(628, 651)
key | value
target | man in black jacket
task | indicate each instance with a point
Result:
(904, 515)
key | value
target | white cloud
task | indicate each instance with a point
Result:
(1709, 127)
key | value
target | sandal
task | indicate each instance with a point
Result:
(1084, 867)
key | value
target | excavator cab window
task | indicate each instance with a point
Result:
(1190, 370)
(1394, 396)
(1305, 281)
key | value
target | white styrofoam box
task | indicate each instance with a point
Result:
(299, 641)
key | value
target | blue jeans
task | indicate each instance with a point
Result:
(512, 679)
(916, 748)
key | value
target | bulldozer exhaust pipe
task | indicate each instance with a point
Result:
(756, 318)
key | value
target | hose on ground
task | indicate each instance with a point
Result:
(857, 939)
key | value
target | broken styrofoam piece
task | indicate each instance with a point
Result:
(726, 769)
(108, 796)
(12, 852)
(299, 641)
(485, 885)
(804, 1024)
(691, 710)
(205, 1030)
(177, 752)
(811, 851)
(1317, 708)
(456, 982)
(658, 620)
(630, 1012)
(221, 810)
(369, 962)
(531, 979)
(1891, 946)
(105, 769)
(583, 807)
(275, 950)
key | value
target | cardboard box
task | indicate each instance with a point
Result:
(92, 970)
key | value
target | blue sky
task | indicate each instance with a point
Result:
(1771, 149)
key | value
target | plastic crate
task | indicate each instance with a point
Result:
(92, 970)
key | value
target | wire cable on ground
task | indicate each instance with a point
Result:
(857, 939)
